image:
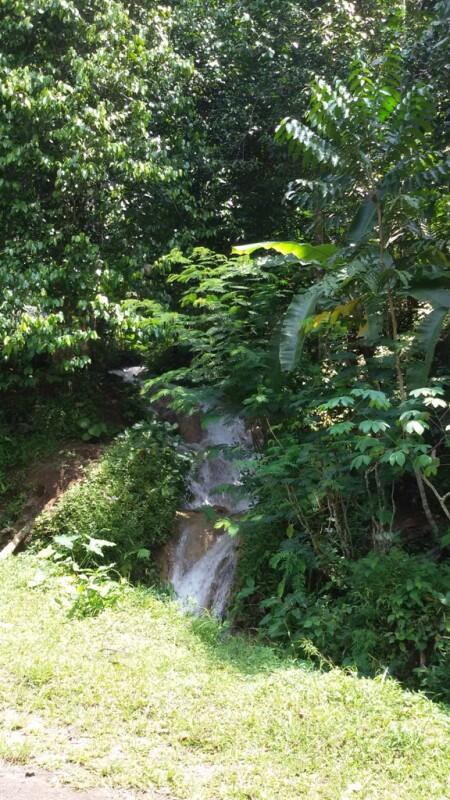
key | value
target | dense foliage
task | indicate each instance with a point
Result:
(124, 509)
(125, 130)
(139, 142)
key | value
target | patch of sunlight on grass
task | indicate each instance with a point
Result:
(143, 697)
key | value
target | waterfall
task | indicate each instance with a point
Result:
(216, 469)
(200, 563)
(206, 582)
(128, 374)
(204, 561)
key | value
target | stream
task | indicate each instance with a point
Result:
(200, 562)
(204, 563)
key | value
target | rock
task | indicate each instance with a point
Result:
(202, 537)
(190, 427)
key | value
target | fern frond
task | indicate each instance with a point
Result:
(302, 141)
(410, 116)
(330, 107)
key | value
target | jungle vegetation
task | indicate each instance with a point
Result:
(251, 200)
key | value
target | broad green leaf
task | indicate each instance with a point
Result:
(360, 461)
(229, 525)
(397, 457)
(426, 339)
(425, 391)
(415, 426)
(363, 221)
(304, 252)
(292, 334)
(435, 402)
(363, 443)
(65, 541)
(412, 414)
(423, 461)
(97, 545)
(340, 428)
(344, 400)
(373, 425)
(376, 398)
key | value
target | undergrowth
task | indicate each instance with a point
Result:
(36, 424)
(124, 508)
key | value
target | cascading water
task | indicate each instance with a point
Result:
(216, 469)
(128, 374)
(202, 562)
(205, 583)
(203, 580)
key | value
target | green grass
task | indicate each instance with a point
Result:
(142, 697)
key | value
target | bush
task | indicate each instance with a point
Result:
(124, 508)
(386, 612)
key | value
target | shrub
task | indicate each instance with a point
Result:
(389, 611)
(124, 508)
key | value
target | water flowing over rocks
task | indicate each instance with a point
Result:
(204, 560)
(200, 561)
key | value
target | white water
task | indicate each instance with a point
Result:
(204, 561)
(206, 583)
(216, 469)
(128, 374)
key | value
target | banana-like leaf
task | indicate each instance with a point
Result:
(426, 339)
(363, 221)
(437, 297)
(304, 252)
(343, 310)
(292, 333)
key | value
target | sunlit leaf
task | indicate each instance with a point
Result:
(415, 426)
(303, 251)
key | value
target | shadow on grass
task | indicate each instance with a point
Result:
(249, 656)
(242, 651)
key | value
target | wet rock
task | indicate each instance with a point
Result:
(190, 427)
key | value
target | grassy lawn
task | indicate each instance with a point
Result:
(143, 697)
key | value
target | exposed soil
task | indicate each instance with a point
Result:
(44, 482)
(19, 783)
(29, 783)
